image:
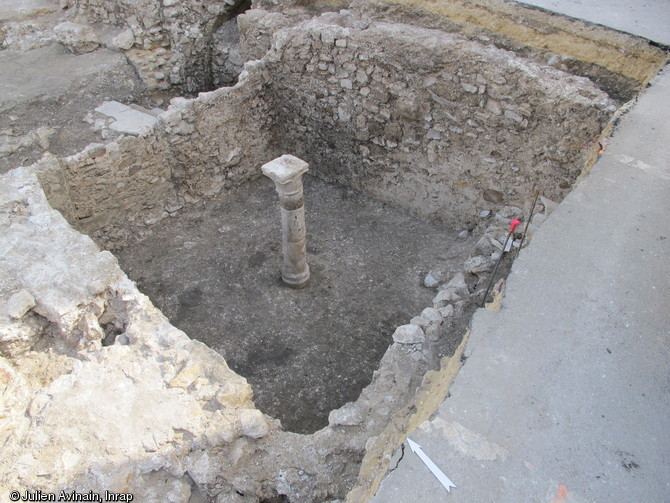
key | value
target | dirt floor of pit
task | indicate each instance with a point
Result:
(214, 272)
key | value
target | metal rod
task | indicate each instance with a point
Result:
(535, 193)
(513, 225)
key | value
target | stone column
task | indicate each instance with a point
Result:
(286, 171)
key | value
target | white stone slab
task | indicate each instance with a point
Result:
(132, 122)
(112, 109)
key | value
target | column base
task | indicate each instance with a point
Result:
(297, 281)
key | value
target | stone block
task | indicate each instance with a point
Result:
(19, 304)
(447, 311)
(349, 414)
(432, 314)
(133, 122)
(112, 109)
(124, 40)
(458, 285)
(233, 394)
(478, 265)
(77, 38)
(420, 321)
(435, 276)
(186, 377)
(430, 281)
(445, 297)
(253, 423)
(409, 334)
(484, 246)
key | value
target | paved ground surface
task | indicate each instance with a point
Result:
(647, 18)
(565, 395)
(20, 9)
(53, 89)
(23, 78)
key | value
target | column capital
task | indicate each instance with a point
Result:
(285, 171)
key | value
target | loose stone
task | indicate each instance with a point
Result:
(430, 281)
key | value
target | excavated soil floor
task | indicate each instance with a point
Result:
(214, 271)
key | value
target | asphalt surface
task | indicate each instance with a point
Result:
(565, 393)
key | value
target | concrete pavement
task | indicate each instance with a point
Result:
(565, 395)
(647, 18)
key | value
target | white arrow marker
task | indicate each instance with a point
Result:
(439, 474)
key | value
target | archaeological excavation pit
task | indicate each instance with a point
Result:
(214, 271)
(424, 136)
(406, 151)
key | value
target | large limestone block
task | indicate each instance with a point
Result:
(76, 37)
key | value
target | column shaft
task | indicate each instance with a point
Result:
(286, 171)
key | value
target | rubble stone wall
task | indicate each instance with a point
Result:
(257, 27)
(199, 147)
(169, 41)
(428, 120)
(619, 63)
(440, 125)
